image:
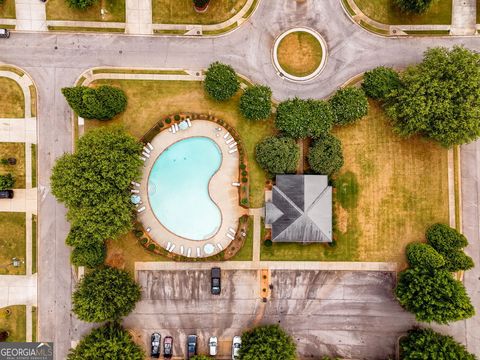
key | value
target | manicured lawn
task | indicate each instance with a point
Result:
(17, 151)
(34, 323)
(299, 53)
(124, 251)
(385, 12)
(59, 10)
(149, 101)
(246, 252)
(12, 103)
(182, 11)
(34, 165)
(13, 319)
(34, 244)
(12, 242)
(388, 192)
(7, 9)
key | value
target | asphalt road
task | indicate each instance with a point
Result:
(56, 60)
(336, 313)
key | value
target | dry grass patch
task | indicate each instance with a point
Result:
(150, 101)
(182, 11)
(384, 11)
(13, 319)
(7, 9)
(299, 53)
(12, 242)
(17, 151)
(60, 10)
(12, 103)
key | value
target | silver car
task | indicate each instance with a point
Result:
(236, 344)
(212, 344)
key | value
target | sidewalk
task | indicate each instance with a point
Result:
(139, 17)
(24, 200)
(18, 290)
(464, 17)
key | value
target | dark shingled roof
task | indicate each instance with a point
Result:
(301, 209)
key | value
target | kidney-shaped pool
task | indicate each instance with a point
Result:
(178, 188)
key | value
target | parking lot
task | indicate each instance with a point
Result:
(337, 313)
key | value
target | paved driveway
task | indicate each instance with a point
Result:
(351, 314)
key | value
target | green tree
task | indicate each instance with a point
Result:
(102, 103)
(268, 342)
(81, 4)
(221, 81)
(380, 82)
(433, 295)
(424, 255)
(105, 294)
(110, 341)
(256, 102)
(299, 118)
(449, 243)
(413, 6)
(92, 255)
(325, 155)
(7, 182)
(440, 97)
(277, 155)
(348, 105)
(427, 344)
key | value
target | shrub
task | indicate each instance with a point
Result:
(244, 173)
(266, 343)
(244, 201)
(256, 102)
(277, 155)
(138, 233)
(244, 179)
(105, 294)
(439, 98)
(380, 82)
(101, 103)
(168, 120)
(325, 155)
(428, 344)
(109, 341)
(81, 4)
(349, 105)
(6, 182)
(143, 241)
(444, 239)
(413, 6)
(200, 3)
(268, 243)
(299, 118)
(177, 117)
(221, 81)
(4, 334)
(151, 247)
(91, 256)
(423, 255)
(433, 295)
(243, 166)
(4, 161)
(456, 260)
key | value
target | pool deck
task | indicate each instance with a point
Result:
(221, 190)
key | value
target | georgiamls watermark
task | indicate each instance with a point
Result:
(26, 351)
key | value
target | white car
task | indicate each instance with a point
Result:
(212, 344)
(237, 342)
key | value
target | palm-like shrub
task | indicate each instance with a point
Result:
(349, 105)
(256, 102)
(221, 81)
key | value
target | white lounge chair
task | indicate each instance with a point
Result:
(146, 149)
(173, 247)
(232, 145)
(189, 252)
(148, 229)
(150, 146)
(136, 184)
(170, 129)
(232, 230)
(198, 252)
(237, 184)
(176, 127)
(230, 236)
(227, 134)
(141, 209)
(146, 154)
(229, 141)
(168, 246)
(232, 151)
(174, 130)
(181, 249)
(220, 246)
(189, 122)
(135, 191)
(132, 183)
(142, 158)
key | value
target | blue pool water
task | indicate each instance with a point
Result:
(178, 188)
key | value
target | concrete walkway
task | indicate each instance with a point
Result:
(464, 17)
(18, 290)
(139, 17)
(24, 200)
(257, 231)
(31, 15)
(18, 130)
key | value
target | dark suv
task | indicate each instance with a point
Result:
(6, 194)
(167, 347)
(216, 283)
(191, 346)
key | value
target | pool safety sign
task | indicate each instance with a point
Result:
(26, 351)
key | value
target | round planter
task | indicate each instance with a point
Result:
(283, 73)
(201, 9)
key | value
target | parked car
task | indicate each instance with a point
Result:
(216, 283)
(155, 350)
(212, 345)
(168, 347)
(6, 194)
(236, 344)
(4, 33)
(191, 346)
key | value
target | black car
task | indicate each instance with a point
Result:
(155, 351)
(191, 346)
(216, 283)
(6, 194)
(4, 33)
(167, 347)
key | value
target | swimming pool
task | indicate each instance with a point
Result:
(178, 188)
